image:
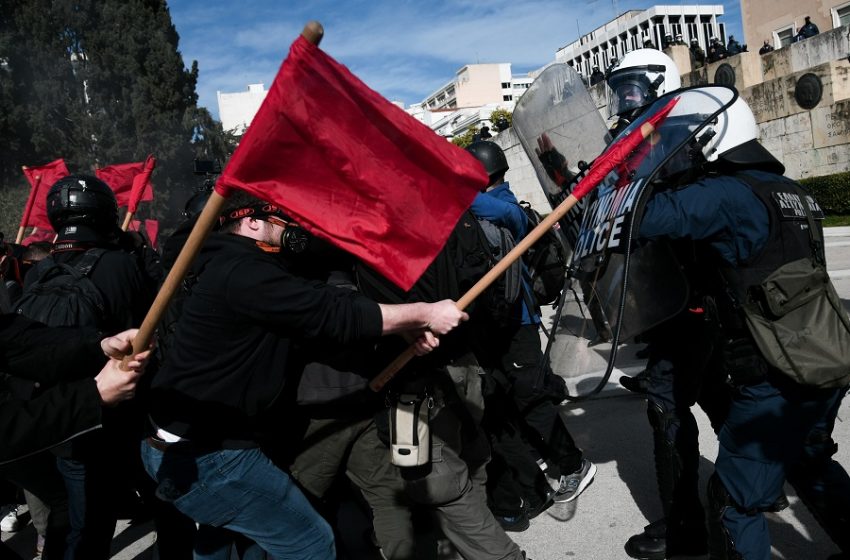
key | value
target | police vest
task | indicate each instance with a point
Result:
(788, 240)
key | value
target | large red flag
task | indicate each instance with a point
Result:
(41, 178)
(121, 179)
(352, 167)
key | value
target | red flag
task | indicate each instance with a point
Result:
(121, 178)
(142, 189)
(619, 151)
(151, 229)
(41, 234)
(352, 167)
(41, 178)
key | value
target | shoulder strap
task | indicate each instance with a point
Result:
(88, 260)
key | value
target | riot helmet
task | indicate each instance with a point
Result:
(727, 143)
(491, 156)
(639, 78)
(82, 200)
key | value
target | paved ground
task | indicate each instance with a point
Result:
(614, 433)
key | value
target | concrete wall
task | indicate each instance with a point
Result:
(809, 142)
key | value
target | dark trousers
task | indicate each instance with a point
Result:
(764, 438)
(38, 475)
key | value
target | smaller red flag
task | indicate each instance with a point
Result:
(151, 229)
(142, 185)
(121, 179)
(620, 150)
(40, 235)
(41, 178)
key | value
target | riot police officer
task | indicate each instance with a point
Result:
(679, 373)
(734, 208)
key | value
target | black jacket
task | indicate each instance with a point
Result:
(62, 361)
(228, 361)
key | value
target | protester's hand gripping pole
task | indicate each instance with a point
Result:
(313, 32)
(602, 166)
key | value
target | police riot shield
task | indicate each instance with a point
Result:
(609, 254)
(559, 125)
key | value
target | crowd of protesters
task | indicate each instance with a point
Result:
(252, 416)
(255, 400)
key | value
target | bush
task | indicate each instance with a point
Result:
(831, 191)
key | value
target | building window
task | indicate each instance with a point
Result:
(841, 15)
(783, 37)
(506, 85)
(507, 98)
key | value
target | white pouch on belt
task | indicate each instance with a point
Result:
(410, 438)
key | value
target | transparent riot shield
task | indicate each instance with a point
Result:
(559, 126)
(634, 284)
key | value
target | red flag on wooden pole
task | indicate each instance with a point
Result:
(41, 178)
(121, 178)
(352, 167)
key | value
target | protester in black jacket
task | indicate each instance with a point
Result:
(70, 401)
(211, 398)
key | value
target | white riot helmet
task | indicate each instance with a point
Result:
(639, 78)
(727, 143)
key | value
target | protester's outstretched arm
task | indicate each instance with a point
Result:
(439, 318)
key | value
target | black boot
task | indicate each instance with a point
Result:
(651, 544)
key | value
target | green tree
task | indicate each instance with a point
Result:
(101, 82)
(465, 139)
(499, 114)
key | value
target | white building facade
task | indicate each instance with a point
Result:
(630, 30)
(467, 101)
(237, 110)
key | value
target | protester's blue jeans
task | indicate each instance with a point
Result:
(241, 490)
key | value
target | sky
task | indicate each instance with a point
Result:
(403, 49)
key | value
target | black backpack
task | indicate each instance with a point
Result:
(63, 295)
(501, 300)
(546, 260)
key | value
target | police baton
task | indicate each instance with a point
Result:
(313, 32)
(616, 154)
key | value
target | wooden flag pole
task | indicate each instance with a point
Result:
(127, 218)
(377, 383)
(28, 208)
(313, 32)
(613, 156)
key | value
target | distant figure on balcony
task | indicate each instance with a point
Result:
(716, 50)
(733, 47)
(596, 76)
(668, 40)
(766, 48)
(697, 53)
(808, 30)
(648, 44)
(679, 40)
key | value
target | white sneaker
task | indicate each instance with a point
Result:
(10, 522)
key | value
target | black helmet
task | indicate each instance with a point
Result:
(491, 155)
(82, 200)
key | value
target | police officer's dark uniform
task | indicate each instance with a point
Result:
(773, 423)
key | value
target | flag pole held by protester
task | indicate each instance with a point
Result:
(601, 167)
